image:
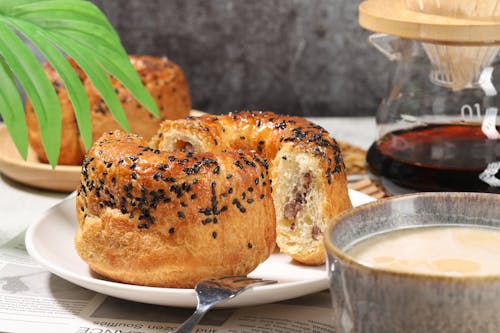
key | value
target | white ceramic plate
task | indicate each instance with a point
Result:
(50, 242)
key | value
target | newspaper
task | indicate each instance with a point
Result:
(34, 300)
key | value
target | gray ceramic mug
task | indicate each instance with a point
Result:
(380, 301)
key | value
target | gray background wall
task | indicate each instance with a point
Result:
(304, 57)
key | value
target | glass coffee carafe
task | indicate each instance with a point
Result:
(439, 125)
(436, 134)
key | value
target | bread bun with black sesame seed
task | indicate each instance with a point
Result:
(167, 219)
(307, 171)
(164, 80)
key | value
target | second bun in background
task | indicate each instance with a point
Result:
(164, 80)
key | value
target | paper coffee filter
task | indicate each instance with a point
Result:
(458, 66)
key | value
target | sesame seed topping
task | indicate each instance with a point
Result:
(206, 211)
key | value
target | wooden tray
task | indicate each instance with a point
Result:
(64, 178)
(31, 172)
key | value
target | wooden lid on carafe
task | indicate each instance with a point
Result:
(464, 22)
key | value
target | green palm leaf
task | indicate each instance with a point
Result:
(36, 11)
(60, 28)
(119, 67)
(37, 86)
(10, 101)
(97, 76)
(70, 78)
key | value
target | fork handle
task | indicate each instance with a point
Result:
(192, 321)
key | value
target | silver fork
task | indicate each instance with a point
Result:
(212, 291)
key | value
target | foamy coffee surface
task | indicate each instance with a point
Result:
(440, 250)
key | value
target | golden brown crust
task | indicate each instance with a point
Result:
(167, 219)
(306, 167)
(165, 82)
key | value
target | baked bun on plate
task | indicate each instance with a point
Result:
(305, 164)
(152, 217)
